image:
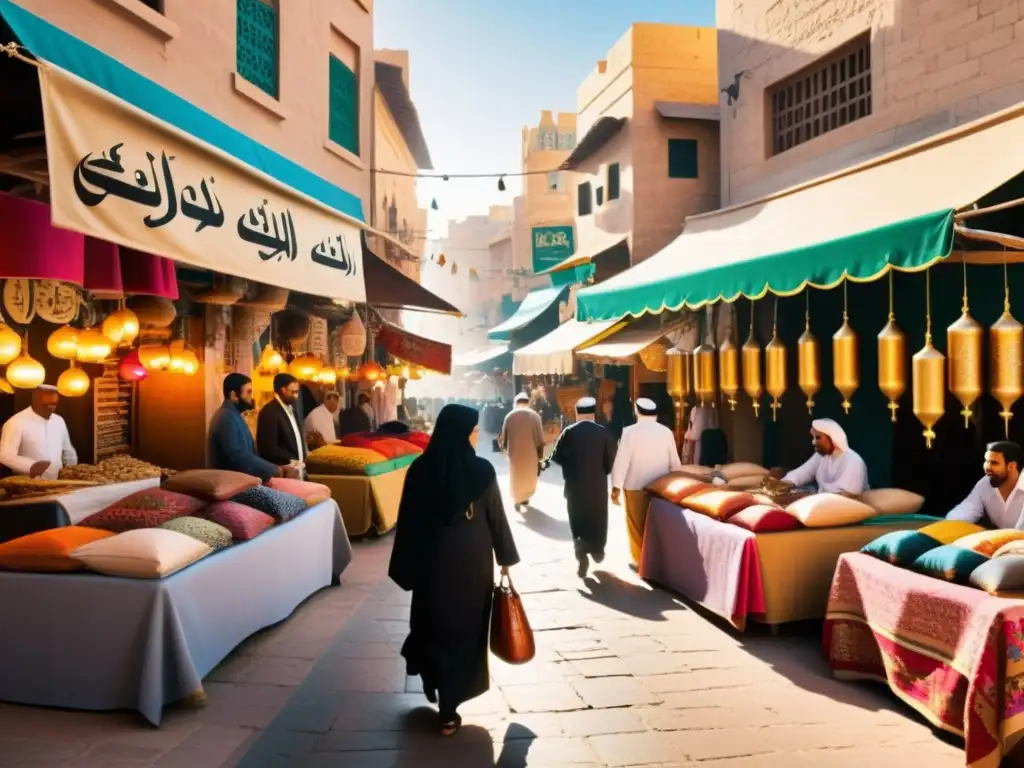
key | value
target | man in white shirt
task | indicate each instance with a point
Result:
(647, 451)
(998, 498)
(321, 427)
(834, 467)
(35, 441)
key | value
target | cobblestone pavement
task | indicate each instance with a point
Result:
(624, 676)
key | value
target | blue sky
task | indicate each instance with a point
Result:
(480, 70)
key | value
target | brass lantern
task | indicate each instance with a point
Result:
(845, 362)
(1006, 337)
(963, 347)
(752, 367)
(808, 375)
(775, 366)
(929, 377)
(679, 382)
(729, 371)
(704, 373)
(892, 359)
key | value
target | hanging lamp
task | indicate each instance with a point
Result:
(271, 359)
(752, 367)
(25, 372)
(845, 362)
(929, 375)
(10, 343)
(729, 371)
(306, 367)
(808, 373)
(93, 346)
(964, 350)
(775, 365)
(371, 371)
(74, 382)
(131, 367)
(1006, 338)
(892, 358)
(154, 357)
(63, 343)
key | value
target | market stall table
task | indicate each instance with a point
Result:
(367, 502)
(86, 641)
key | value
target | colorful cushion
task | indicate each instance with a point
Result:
(210, 484)
(949, 562)
(697, 471)
(741, 469)
(48, 551)
(210, 533)
(900, 547)
(676, 486)
(358, 440)
(419, 439)
(948, 531)
(149, 508)
(764, 518)
(1010, 548)
(144, 553)
(719, 504)
(768, 501)
(311, 493)
(829, 510)
(987, 543)
(243, 522)
(398, 445)
(341, 460)
(893, 501)
(1000, 574)
(747, 482)
(279, 505)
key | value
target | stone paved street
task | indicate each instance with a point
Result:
(625, 675)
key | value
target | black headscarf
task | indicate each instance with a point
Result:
(449, 472)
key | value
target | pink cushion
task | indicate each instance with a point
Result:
(149, 508)
(244, 522)
(764, 518)
(311, 493)
(419, 439)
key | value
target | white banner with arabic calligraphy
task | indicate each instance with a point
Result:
(126, 177)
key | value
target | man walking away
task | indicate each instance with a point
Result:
(522, 437)
(647, 451)
(586, 451)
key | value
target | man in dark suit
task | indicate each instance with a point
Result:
(230, 443)
(279, 425)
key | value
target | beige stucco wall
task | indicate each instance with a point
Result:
(192, 53)
(650, 63)
(935, 64)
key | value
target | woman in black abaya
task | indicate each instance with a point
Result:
(451, 527)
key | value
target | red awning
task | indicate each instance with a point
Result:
(432, 355)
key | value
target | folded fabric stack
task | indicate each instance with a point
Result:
(156, 532)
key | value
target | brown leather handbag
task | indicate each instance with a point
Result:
(511, 636)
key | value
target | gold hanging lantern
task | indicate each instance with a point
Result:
(113, 328)
(74, 382)
(775, 365)
(929, 376)
(271, 359)
(93, 346)
(1006, 337)
(190, 364)
(677, 379)
(892, 358)
(305, 367)
(327, 376)
(704, 373)
(10, 344)
(154, 357)
(963, 346)
(129, 324)
(845, 362)
(808, 373)
(729, 371)
(63, 343)
(25, 372)
(352, 337)
(752, 367)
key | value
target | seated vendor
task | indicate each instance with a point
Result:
(998, 498)
(834, 467)
(35, 441)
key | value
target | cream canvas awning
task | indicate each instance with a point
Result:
(478, 356)
(622, 347)
(553, 354)
(894, 212)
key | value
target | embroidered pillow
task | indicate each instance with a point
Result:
(764, 518)
(48, 551)
(243, 522)
(900, 548)
(829, 510)
(989, 542)
(949, 562)
(145, 553)
(311, 493)
(719, 504)
(1001, 574)
(948, 531)
(279, 505)
(149, 508)
(893, 501)
(210, 533)
(341, 460)
(676, 486)
(210, 484)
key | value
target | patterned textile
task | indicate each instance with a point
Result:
(987, 543)
(954, 653)
(342, 460)
(210, 533)
(278, 504)
(150, 508)
(243, 522)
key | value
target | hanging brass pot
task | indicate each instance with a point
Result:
(729, 371)
(1006, 338)
(704, 373)
(808, 374)
(963, 346)
(892, 364)
(752, 369)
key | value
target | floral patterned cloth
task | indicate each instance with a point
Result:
(954, 653)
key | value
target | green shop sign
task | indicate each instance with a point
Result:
(551, 246)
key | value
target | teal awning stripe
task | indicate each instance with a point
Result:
(533, 306)
(52, 44)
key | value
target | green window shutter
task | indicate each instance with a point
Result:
(682, 158)
(613, 181)
(343, 125)
(584, 201)
(256, 44)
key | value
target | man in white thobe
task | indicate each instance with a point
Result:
(35, 441)
(321, 426)
(522, 437)
(647, 451)
(998, 498)
(834, 467)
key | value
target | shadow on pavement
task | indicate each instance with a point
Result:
(631, 599)
(471, 747)
(545, 525)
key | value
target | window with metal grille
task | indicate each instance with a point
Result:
(613, 182)
(827, 95)
(343, 125)
(256, 52)
(682, 158)
(584, 199)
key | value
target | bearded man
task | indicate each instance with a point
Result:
(230, 444)
(997, 499)
(834, 467)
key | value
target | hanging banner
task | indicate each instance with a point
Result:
(410, 348)
(124, 176)
(551, 246)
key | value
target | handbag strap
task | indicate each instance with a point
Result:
(505, 577)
